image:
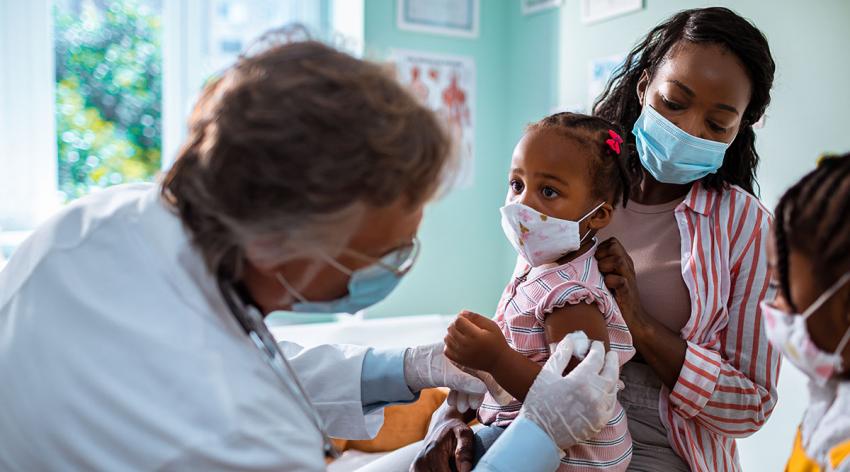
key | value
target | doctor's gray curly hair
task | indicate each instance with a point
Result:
(289, 145)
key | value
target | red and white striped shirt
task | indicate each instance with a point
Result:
(727, 385)
(526, 302)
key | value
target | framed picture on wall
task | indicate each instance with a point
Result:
(534, 6)
(445, 17)
(593, 11)
(599, 72)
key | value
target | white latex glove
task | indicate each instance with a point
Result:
(574, 407)
(463, 401)
(470, 401)
(427, 367)
(499, 394)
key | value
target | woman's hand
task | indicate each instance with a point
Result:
(619, 271)
(662, 348)
(449, 439)
(475, 342)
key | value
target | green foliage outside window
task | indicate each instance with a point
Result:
(108, 92)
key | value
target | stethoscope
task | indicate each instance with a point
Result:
(252, 323)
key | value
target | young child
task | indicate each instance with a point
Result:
(567, 174)
(809, 320)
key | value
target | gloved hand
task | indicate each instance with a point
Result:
(468, 401)
(463, 401)
(499, 394)
(574, 407)
(427, 367)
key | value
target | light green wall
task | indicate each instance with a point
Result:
(811, 95)
(464, 261)
(533, 68)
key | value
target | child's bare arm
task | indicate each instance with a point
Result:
(476, 342)
(515, 372)
(579, 317)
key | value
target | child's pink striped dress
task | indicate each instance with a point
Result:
(527, 300)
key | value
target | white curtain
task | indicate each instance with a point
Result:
(28, 179)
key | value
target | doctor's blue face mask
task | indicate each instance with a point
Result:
(366, 286)
(670, 154)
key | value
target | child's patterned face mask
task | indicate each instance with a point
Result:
(540, 238)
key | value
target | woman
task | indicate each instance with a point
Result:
(686, 258)
(687, 262)
(131, 324)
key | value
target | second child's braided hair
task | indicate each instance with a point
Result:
(813, 218)
(608, 169)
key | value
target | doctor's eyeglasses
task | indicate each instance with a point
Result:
(398, 261)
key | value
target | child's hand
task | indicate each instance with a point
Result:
(475, 342)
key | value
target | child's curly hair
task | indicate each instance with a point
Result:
(609, 174)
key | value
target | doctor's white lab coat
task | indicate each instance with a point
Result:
(118, 353)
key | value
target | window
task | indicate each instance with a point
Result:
(205, 36)
(108, 61)
(96, 92)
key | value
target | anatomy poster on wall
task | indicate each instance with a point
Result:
(447, 85)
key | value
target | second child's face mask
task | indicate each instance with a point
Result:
(790, 334)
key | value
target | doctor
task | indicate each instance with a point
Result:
(131, 324)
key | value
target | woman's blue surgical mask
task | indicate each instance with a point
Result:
(366, 286)
(670, 154)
